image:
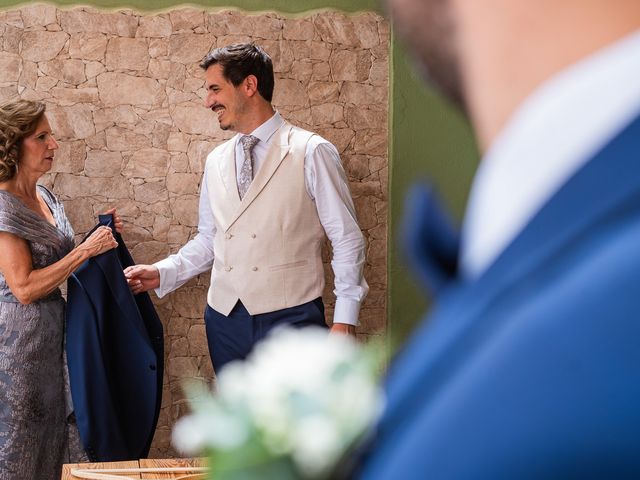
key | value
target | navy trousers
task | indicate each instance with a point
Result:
(233, 337)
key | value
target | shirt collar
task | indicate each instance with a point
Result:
(265, 131)
(553, 133)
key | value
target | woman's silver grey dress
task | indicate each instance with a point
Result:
(33, 414)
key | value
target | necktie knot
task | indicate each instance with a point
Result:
(248, 142)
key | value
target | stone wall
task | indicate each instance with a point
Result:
(124, 97)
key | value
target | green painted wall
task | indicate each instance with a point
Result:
(427, 139)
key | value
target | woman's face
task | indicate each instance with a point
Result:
(36, 154)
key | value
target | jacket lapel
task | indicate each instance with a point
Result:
(429, 238)
(275, 155)
(608, 185)
(227, 171)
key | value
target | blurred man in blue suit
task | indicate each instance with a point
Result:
(529, 365)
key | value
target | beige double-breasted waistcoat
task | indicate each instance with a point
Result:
(267, 245)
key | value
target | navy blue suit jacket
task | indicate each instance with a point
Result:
(115, 357)
(532, 371)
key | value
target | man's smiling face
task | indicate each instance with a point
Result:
(225, 99)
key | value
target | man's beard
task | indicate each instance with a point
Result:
(443, 73)
(429, 32)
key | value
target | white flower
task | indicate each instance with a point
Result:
(301, 393)
(209, 427)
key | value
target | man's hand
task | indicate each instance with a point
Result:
(142, 278)
(343, 329)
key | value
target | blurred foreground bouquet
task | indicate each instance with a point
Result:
(290, 411)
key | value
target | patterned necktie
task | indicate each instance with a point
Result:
(246, 171)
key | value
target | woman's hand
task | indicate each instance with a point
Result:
(117, 221)
(100, 241)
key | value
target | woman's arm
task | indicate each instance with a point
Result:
(28, 284)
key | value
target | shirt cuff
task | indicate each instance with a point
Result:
(346, 311)
(168, 276)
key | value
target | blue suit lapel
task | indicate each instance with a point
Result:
(606, 187)
(429, 238)
(111, 266)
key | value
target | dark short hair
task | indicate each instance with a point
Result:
(240, 60)
(18, 119)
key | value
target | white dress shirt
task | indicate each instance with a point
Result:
(326, 183)
(551, 135)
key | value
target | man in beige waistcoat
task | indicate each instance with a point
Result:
(269, 196)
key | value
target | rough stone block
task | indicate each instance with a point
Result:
(183, 183)
(149, 252)
(197, 154)
(88, 20)
(194, 119)
(323, 92)
(365, 118)
(155, 26)
(372, 142)
(123, 89)
(182, 367)
(191, 302)
(265, 26)
(9, 67)
(88, 46)
(101, 163)
(190, 47)
(123, 139)
(185, 210)
(72, 122)
(151, 192)
(178, 142)
(39, 46)
(198, 341)
(290, 92)
(366, 29)
(71, 96)
(77, 187)
(148, 162)
(298, 29)
(336, 28)
(70, 157)
(127, 54)
(69, 71)
(38, 15)
(80, 213)
(186, 19)
(327, 114)
(362, 94)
